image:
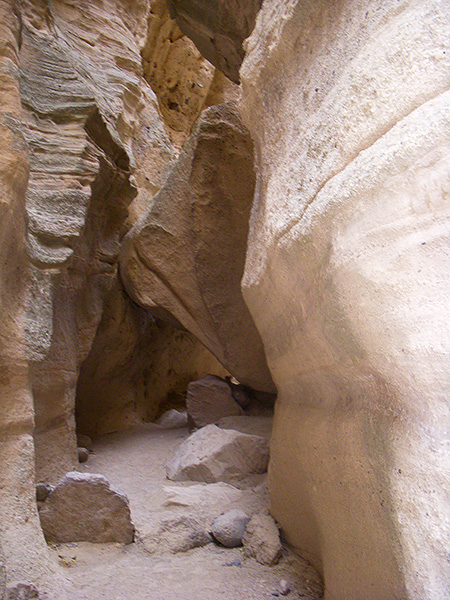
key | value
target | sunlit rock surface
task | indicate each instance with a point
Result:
(347, 279)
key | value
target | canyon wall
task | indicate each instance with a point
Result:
(307, 226)
(347, 278)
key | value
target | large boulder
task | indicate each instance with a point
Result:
(212, 454)
(84, 508)
(184, 258)
(347, 280)
(209, 399)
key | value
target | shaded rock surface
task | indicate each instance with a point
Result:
(184, 258)
(253, 425)
(173, 419)
(84, 507)
(137, 366)
(212, 454)
(208, 400)
(229, 528)
(262, 540)
(218, 29)
(43, 490)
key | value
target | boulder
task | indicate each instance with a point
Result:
(209, 399)
(262, 540)
(213, 454)
(229, 528)
(84, 508)
(253, 425)
(184, 258)
(173, 419)
(174, 533)
(84, 441)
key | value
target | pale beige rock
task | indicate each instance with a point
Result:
(174, 533)
(173, 419)
(212, 454)
(84, 507)
(208, 400)
(347, 279)
(184, 258)
(23, 554)
(262, 540)
(228, 529)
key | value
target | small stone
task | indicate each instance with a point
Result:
(233, 563)
(84, 441)
(83, 455)
(42, 491)
(284, 587)
(229, 528)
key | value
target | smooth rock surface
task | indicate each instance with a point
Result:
(229, 528)
(262, 540)
(208, 400)
(212, 454)
(347, 279)
(173, 419)
(84, 507)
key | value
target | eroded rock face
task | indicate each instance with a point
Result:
(218, 29)
(185, 256)
(347, 279)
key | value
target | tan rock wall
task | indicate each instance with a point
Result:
(347, 280)
(21, 541)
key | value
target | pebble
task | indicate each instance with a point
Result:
(83, 455)
(284, 588)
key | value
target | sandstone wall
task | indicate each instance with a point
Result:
(347, 279)
(21, 540)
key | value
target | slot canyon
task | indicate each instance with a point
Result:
(225, 298)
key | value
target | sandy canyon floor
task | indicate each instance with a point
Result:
(134, 462)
